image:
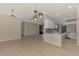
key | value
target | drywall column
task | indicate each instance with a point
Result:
(10, 28)
(52, 38)
(78, 26)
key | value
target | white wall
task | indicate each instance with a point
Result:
(10, 28)
(30, 28)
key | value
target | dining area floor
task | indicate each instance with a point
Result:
(33, 46)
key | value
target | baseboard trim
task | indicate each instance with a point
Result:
(18, 38)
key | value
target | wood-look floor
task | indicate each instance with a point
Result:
(33, 47)
(69, 43)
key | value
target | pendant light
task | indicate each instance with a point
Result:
(12, 13)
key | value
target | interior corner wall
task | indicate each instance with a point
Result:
(31, 29)
(10, 28)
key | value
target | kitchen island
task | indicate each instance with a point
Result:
(54, 38)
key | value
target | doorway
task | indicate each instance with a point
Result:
(41, 31)
(41, 28)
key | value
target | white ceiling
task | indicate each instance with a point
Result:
(25, 10)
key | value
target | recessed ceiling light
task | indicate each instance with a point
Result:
(57, 14)
(69, 6)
